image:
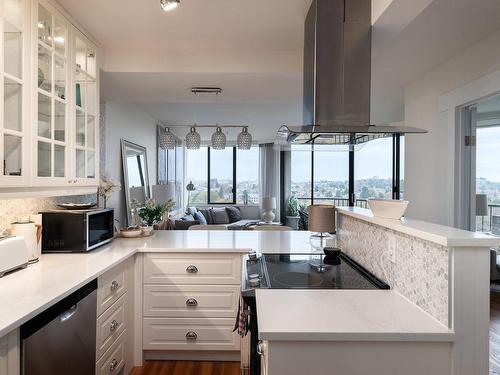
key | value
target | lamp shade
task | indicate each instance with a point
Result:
(162, 193)
(481, 205)
(321, 218)
(268, 203)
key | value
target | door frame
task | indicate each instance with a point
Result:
(451, 106)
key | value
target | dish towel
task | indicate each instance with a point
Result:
(241, 324)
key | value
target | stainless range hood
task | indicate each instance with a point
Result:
(337, 75)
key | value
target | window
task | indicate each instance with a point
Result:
(196, 172)
(221, 173)
(230, 175)
(373, 170)
(247, 176)
(321, 173)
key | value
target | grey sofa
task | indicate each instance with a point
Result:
(221, 215)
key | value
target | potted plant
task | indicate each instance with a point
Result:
(292, 212)
(153, 213)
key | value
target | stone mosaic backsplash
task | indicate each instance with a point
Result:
(421, 269)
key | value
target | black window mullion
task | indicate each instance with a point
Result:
(352, 196)
(312, 173)
(234, 175)
(208, 175)
(396, 166)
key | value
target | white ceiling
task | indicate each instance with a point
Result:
(251, 49)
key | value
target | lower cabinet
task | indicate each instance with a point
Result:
(9, 354)
(190, 302)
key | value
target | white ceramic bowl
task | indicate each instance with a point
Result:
(388, 208)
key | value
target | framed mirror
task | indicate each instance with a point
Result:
(135, 176)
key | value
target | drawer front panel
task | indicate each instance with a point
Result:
(110, 287)
(192, 269)
(216, 301)
(110, 326)
(113, 360)
(189, 334)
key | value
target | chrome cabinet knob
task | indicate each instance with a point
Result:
(113, 365)
(191, 336)
(191, 269)
(114, 325)
(114, 285)
(191, 302)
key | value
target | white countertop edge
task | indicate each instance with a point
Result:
(42, 307)
(439, 234)
(358, 336)
(211, 250)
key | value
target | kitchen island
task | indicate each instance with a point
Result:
(147, 261)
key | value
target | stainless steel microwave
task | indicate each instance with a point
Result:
(76, 231)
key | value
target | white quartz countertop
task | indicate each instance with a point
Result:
(440, 234)
(344, 315)
(27, 292)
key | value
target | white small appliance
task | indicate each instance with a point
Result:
(13, 254)
(31, 232)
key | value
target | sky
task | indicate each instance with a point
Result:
(488, 154)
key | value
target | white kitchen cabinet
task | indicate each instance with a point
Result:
(190, 302)
(9, 354)
(14, 93)
(65, 97)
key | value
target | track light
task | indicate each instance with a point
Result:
(167, 5)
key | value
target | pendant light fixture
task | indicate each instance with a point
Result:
(167, 140)
(193, 139)
(168, 5)
(218, 139)
(244, 140)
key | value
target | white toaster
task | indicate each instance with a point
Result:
(13, 254)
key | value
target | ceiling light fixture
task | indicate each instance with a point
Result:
(193, 139)
(218, 139)
(244, 140)
(167, 5)
(167, 140)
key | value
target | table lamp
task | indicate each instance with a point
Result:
(322, 219)
(482, 208)
(268, 205)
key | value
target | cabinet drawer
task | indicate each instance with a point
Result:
(110, 325)
(181, 269)
(190, 334)
(113, 360)
(110, 287)
(195, 301)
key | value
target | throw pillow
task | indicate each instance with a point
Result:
(234, 214)
(220, 216)
(187, 218)
(207, 214)
(191, 210)
(199, 216)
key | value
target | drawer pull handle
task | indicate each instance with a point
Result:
(192, 336)
(114, 286)
(113, 365)
(191, 269)
(191, 302)
(114, 325)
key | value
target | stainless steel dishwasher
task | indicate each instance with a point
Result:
(62, 339)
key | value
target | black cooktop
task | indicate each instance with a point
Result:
(311, 271)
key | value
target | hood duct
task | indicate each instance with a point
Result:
(337, 77)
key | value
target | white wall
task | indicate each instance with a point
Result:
(127, 121)
(429, 159)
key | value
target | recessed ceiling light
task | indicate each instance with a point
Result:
(167, 5)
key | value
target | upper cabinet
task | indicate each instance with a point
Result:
(14, 103)
(51, 98)
(86, 110)
(49, 128)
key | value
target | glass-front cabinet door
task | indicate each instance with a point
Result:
(86, 110)
(51, 98)
(14, 139)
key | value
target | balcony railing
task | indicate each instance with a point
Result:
(363, 203)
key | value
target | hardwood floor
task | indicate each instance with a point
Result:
(187, 368)
(495, 333)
